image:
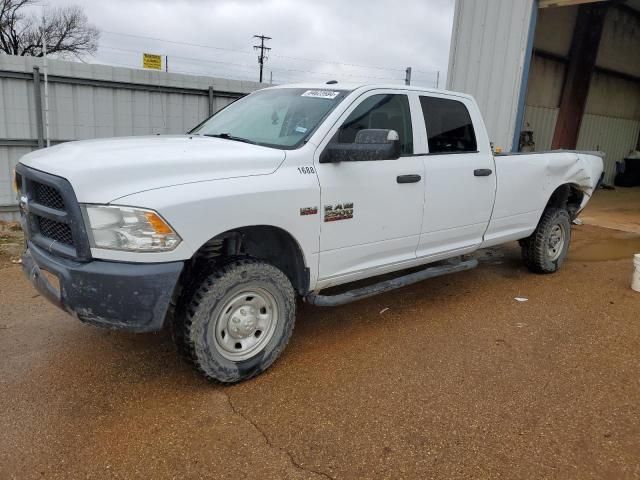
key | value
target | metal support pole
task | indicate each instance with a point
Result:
(37, 95)
(46, 91)
(407, 78)
(211, 99)
(438, 79)
(579, 72)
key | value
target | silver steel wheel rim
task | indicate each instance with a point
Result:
(555, 244)
(245, 324)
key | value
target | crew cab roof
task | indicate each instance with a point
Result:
(350, 87)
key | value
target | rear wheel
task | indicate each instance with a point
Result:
(238, 321)
(546, 249)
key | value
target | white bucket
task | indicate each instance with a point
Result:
(635, 280)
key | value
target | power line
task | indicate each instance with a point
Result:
(191, 72)
(295, 72)
(318, 60)
(286, 78)
(427, 72)
(177, 43)
(245, 66)
(244, 52)
(333, 73)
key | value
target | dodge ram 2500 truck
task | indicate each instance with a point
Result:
(282, 194)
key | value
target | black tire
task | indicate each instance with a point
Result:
(196, 326)
(537, 252)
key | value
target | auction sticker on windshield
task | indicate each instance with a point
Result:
(321, 94)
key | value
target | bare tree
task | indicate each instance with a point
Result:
(66, 30)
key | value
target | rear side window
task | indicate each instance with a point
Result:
(449, 126)
(387, 111)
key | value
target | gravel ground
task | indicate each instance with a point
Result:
(449, 378)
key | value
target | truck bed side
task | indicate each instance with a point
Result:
(526, 182)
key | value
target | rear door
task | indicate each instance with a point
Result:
(370, 218)
(460, 181)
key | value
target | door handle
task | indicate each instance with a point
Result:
(482, 172)
(408, 178)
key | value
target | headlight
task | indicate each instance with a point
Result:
(127, 228)
(17, 181)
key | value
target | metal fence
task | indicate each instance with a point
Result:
(96, 101)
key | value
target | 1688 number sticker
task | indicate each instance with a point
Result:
(306, 170)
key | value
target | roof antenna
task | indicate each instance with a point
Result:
(332, 82)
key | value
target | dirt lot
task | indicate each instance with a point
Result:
(456, 379)
(618, 209)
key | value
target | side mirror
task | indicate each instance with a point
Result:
(370, 144)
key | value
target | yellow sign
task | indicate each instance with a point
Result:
(149, 60)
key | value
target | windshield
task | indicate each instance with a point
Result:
(281, 118)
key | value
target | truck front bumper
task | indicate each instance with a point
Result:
(128, 296)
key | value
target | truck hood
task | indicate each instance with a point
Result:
(102, 171)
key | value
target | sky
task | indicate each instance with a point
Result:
(350, 40)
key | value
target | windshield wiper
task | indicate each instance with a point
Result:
(227, 136)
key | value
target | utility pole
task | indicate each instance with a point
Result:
(264, 51)
(438, 79)
(407, 77)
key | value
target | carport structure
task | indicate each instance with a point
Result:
(566, 72)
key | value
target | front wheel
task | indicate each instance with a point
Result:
(547, 247)
(238, 322)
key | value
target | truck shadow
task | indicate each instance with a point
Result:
(134, 358)
(127, 358)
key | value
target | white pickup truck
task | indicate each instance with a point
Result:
(280, 195)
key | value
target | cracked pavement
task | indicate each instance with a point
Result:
(455, 380)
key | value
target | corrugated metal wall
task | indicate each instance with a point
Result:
(614, 136)
(93, 101)
(614, 97)
(542, 121)
(487, 58)
(612, 119)
(554, 29)
(612, 111)
(546, 78)
(620, 43)
(9, 157)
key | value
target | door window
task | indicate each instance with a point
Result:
(385, 111)
(449, 126)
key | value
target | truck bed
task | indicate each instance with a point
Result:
(526, 181)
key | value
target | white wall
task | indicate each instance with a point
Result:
(487, 59)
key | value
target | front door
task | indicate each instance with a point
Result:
(370, 218)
